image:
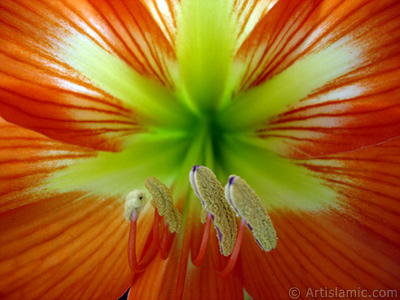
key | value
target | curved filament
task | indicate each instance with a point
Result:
(156, 235)
(164, 240)
(235, 254)
(201, 254)
(136, 266)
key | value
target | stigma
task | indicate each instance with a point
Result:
(134, 202)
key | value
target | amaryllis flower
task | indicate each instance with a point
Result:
(298, 99)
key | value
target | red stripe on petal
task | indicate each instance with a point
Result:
(42, 92)
(368, 181)
(319, 251)
(159, 280)
(61, 248)
(352, 245)
(249, 13)
(356, 110)
(55, 245)
(27, 160)
(164, 14)
(203, 282)
(133, 31)
(265, 43)
(292, 30)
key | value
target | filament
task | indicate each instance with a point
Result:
(235, 253)
(198, 261)
(136, 266)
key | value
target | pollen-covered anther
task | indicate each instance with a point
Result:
(211, 193)
(162, 201)
(134, 201)
(248, 206)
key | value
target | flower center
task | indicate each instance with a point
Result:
(192, 120)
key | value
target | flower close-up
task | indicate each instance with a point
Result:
(199, 149)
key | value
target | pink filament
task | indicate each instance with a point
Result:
(156, 223)
(235, 253)
(204, 242)
(136, 266)
(164, 244)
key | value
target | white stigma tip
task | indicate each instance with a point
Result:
(134, 201)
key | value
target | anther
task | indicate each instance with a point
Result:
(162, 201)
(211, 194)
(248, 206)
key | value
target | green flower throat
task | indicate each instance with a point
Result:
(198, 113)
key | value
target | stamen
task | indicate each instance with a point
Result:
(211, 194)
(248, 206)
(162, 200)
(204, 242)
(235, 254)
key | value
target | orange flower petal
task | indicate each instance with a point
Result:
(248, 13)
(352, 246)
(203, 282)
(368, 184)
(58, 249)
(357, 109)
(27, 159)
(164, 14)
(40, 90)
(159, 281)
(55, 245)
(314, 251)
